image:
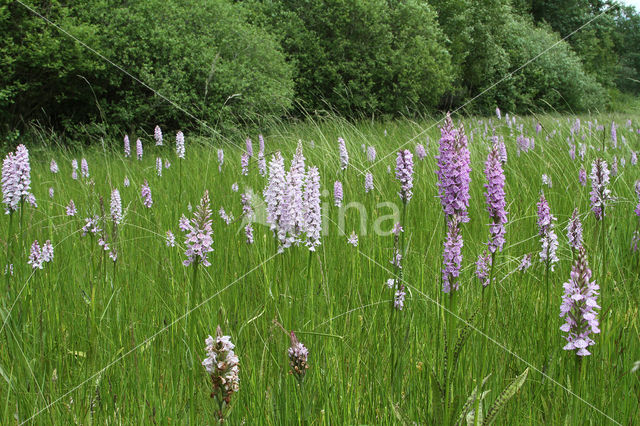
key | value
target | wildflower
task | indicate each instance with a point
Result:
(353, 239)
(546, 180)
(538, 128)
(199, 233)
(91, 226)
(582, 150)
(292, 219)
(139, 149)
(502, 148)
(454, 171)
(262, 164)
(337, 193)
(127, 146)
(248, 231)
(84, 168)
(145, 192)
(224, 216)
(634, 158)
(16, 179)
(261, 143)
(371, 153)
(574, 230)
(298, 355)
(51, 192)
(582, 176)
(421, 152)
(579, 304)
(390, 283)
(600, 194)
(344, 155)
(614, 166)
(116, 207)
(35, 256)
(498, 114)
(170, 239)
(368, 182)
(398, 298)
(157, 135)
(126, 182)
(180, 145)
(482, 268)
(167, 164)
(53, 166)
(74, 169)
(159, 166)
(452, 257)
(495, 199)
(404, 173)
(234, 187)
(249, 146)
(47, 252)
(549, 239)
(274, 191)
(244, 162)
(71, 208)
(311, 208)
(220, 159)
(635, 239)
(222, 365)
(525, 263)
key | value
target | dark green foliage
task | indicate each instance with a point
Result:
(361, 57)
(228, 64)
(202, 55)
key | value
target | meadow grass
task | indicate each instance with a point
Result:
(84, 340)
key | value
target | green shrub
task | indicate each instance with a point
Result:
(200, 54)
(360, 58)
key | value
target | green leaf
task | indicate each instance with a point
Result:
(504, 397)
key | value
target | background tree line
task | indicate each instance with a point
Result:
(238, 63)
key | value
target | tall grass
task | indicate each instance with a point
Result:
(105, 345)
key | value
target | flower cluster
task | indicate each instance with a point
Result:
(127, 146)
(180, 145)
(454, 171)
(16, 179)
(293, 201)
(220, 159)
(337, 193)
(637, 188)
(157, 135)
(452, 257)
(344, 155)
(483, 264)
(39, 256)
(298, 355)
(371, 153)
(91, 226)
(421, 152)
(145, 192)
(222, 365)
(353, 239)
(495, 198)
(139, 149)
(159, 166)
(116, 207)
(579, 304)
(53, 166)
(549, 239)
(199, 233)
(84, 168)
(404, 173)
(71, 208)
(574, 230)
(600, 194)
(244, 163)
(368, 182)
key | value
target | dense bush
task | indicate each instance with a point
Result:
(360, 57)
(201, 54)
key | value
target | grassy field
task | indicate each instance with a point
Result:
(88, 340)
